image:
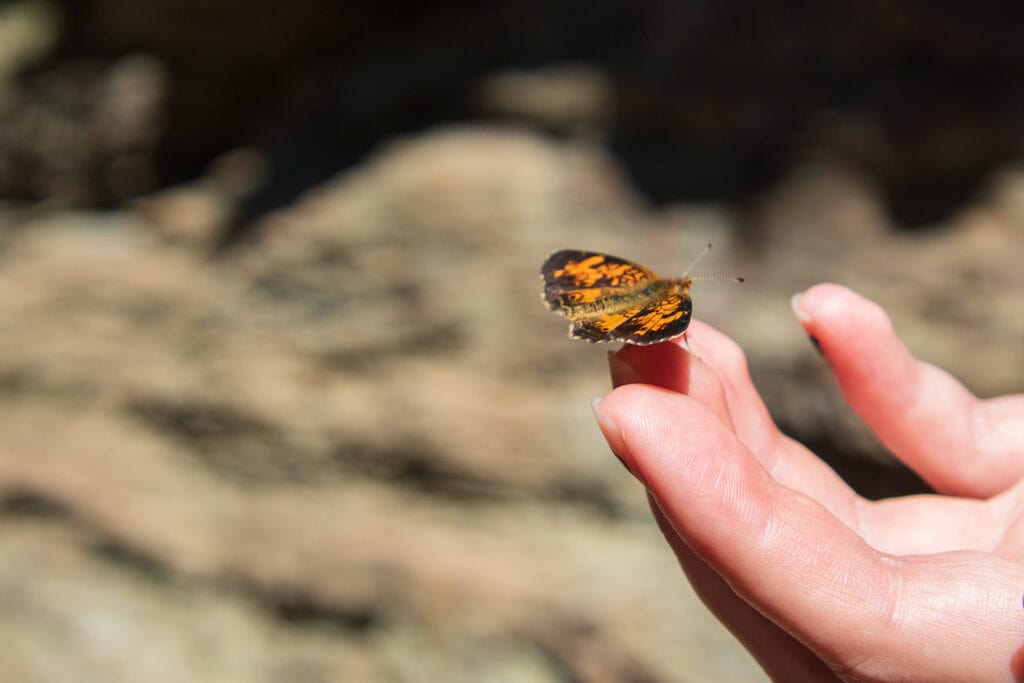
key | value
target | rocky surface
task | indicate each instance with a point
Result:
(360, 447)
(350, 443)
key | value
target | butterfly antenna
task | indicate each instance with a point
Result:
(696, 259)
(707, 277)
(721, 278)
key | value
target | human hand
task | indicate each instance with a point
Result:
(814, 580)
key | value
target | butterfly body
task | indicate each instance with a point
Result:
(607, 298)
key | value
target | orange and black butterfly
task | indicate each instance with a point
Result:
(607, 298)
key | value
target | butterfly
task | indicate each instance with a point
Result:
(607, 298)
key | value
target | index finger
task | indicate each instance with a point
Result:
(929, 420)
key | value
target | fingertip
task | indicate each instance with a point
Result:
(665, 365)
(630, 406)
(794, 303)
(610, 429)
(619, 404)
(829, 306)
(821, 303)
(622, 415)
(844, 326)
(645, 415)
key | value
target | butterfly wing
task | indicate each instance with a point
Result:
(666, 317)
(573, 278)
(600, 328)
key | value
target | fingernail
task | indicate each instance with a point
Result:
(794, 303)
(611, 434)
(621, 371)
(804, 319)
(816, 344)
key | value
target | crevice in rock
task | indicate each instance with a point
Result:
(304, 611)
(132, 557)
(28, 503)
(431, 339)
(417, 467)
(233, 444)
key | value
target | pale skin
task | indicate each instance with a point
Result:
(815, 581)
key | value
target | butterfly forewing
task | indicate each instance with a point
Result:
(573, 277)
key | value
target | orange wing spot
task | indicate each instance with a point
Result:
(609, 322)
(585, 296)
(591, 271)
(667, 312)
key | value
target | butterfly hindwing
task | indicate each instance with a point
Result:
(601, 328)
(664, 318)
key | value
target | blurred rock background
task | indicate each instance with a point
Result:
(279, 399)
